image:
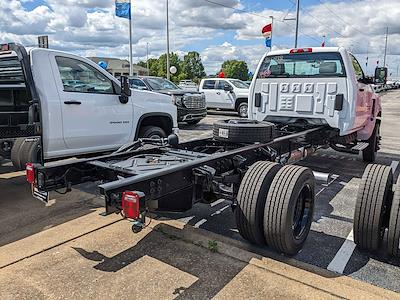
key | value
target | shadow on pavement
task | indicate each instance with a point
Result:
(213, 270)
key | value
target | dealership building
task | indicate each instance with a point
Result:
(118, 67)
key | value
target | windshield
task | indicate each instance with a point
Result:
(161, 84)
(298, 65)
(239, 84)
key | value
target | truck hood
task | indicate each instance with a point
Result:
(178, 92)
(241, 92)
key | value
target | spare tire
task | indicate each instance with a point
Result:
(243, 131)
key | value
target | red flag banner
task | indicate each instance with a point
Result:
(267, 31)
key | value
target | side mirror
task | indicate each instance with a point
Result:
(381, 74)
(125, 90)
(228, 88)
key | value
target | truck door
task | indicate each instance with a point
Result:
(225, 99)
(364, 97)
(93, 118)
(208, 88)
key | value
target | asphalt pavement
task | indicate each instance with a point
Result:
(68, 250)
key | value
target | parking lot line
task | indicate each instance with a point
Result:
(342, 257)
(199, 223)
(217, 202)
(220, 210)
(394, 166)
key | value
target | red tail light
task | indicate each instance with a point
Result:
(301, 50)
(131, 205)
(30, 173)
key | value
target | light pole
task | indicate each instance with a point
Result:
(272, 29)
(147, 58)
(386, 44)
(168, 63)
(297, 22)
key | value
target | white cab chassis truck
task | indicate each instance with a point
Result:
(301, 100)
(55, 105)
(320, 86)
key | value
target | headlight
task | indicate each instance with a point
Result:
(177, 100)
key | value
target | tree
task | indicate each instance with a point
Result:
(162, 66)
(192, 67)
(235, 69)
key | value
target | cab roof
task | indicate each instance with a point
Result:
(313, 50)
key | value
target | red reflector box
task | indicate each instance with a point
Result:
(30, 173)
(131, 204)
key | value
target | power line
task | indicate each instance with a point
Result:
(257, 15)
(340, 18)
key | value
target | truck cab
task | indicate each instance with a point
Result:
(55, 104)
(316, 86)
(226, 93)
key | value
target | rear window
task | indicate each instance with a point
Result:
(303, 65)
(11, 70)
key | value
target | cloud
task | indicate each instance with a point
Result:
(90, 26)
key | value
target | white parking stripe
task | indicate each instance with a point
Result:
(342, 257)
(217, 202)
(199, 223)
(394, 165)
(186, 219)
(220, 211)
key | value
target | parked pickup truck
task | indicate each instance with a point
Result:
(55, 104)
(191, 104)
(225, 93)
(320, 86)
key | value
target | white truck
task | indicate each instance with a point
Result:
(226, 93)
(320, 86)
(314, 98)
(55, 105)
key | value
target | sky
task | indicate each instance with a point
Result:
(217, 29)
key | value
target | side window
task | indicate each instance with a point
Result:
(209, 85)
(138, 84)
(222, 84)
(357, 68)
(79, 77)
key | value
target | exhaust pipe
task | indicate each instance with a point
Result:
(323, 178)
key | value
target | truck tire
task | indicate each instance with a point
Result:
(242, 109)
(15, 153)
(289, 209)
(152, 132)
(372, 205)
(243, 131)
(394, 224)
(252, 195)
(30, 152)
(369, 153)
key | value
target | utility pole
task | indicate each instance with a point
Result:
(386, 44)
(130, 44)
(168, 63)
(272, 29)
(297, 22)
(147, 57)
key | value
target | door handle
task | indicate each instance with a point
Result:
(73, 102)
(361, 90)
(218, 93)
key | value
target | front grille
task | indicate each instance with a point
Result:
(194, 102)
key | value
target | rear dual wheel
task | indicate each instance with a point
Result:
(373, 204)
(394, 224)
(276, 205)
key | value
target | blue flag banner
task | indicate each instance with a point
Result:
(268, 43)
(123, 8)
